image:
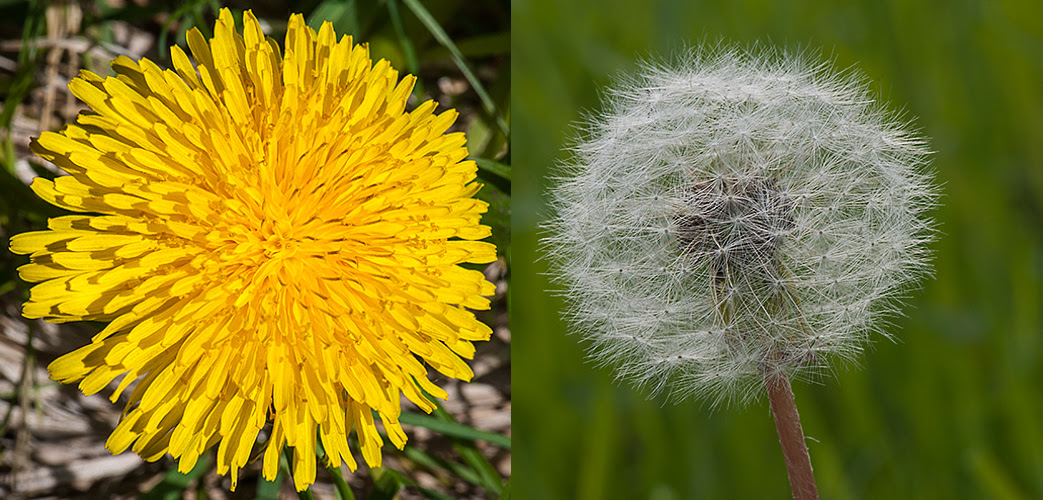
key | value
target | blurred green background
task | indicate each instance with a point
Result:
(954, 409)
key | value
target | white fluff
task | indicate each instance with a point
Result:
(742, 211)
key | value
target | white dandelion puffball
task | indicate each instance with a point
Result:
(741, 214)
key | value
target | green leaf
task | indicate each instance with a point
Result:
(269, 490)
(32, 29)
(189, 13)
(506, 495)
(344, 14)
(174, 483)
(425, 459)
(490, 478)
(454, 429)
(436, 30)
(128, 13)
(433, 495)
(17, 197)
(349, 17)
(465, 447)
(408, 49)
(388, 480)
(489, 44)
(492, 167)
(387, 483)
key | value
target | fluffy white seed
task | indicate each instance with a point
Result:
(740, 212)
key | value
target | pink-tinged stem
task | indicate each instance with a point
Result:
(791, 436)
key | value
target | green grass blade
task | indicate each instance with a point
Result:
(465, 447)
(343, 14)
(127, 13)
(454, 429)
(269, 490)
(175, 483)
(436, 30)
(494, 168)
(23, 78)
(433, 495)
(424, 459)
(477, 46)
(19, 198)
(490, 478)
(506, 495)
(164, 32)
(412, 63)
(387, 483)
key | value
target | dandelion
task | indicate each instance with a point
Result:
(272, 239)
(735, 221)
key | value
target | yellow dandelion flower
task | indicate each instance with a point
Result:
(271, 237)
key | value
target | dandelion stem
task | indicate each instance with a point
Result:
(342, 486)
(288, 453)
(791, 436)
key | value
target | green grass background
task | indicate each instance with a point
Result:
(953, 410)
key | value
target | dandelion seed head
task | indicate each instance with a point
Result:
(737, 213)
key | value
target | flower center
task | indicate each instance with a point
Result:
(736, 223)
(279, 247)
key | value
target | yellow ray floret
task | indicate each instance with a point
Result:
(273, 240)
